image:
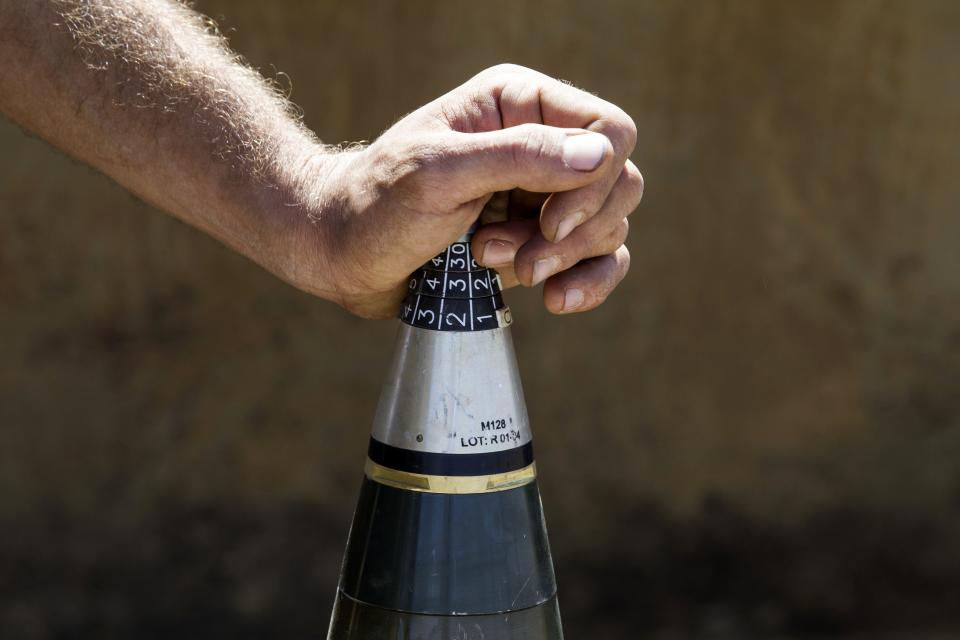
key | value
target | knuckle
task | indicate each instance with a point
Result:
(608, 234)
(629, 128)
(615, 236)
(508, 67)
(604, 289)
(621, 231)
(633, 179)
(622, 129)
(530, 145)
(623, 259)
(502, 69)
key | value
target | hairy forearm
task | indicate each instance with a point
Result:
(148, 93)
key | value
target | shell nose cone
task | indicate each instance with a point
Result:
(454, 393)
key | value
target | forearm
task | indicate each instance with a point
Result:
(144, 91)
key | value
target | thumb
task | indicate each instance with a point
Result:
(533, 157)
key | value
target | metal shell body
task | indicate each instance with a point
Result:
(452, 392)
(448, 541)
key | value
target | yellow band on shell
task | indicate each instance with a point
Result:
(450, 484)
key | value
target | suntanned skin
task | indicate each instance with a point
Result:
(149, 94)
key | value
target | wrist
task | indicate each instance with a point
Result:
(311, 208)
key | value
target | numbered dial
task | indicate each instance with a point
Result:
(456, 284)
(451, 292)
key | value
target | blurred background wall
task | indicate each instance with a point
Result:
(775, 389)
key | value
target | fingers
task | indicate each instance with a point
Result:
(563, 212)
(536, 259)
(540, 259)
(508, 278)
(568, 210)
(496, 245)
(532, 157)
(501, 237)
(586, 285)
(529, 96)
(580, 270)
(525, 204)
(580, 288)
(526, 95)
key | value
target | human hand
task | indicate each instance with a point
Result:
(555, 156)
(550, 159)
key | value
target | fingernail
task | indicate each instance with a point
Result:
(572, 299)
(568, 224)
(498, 252)
(544, 268)
(584, 152)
